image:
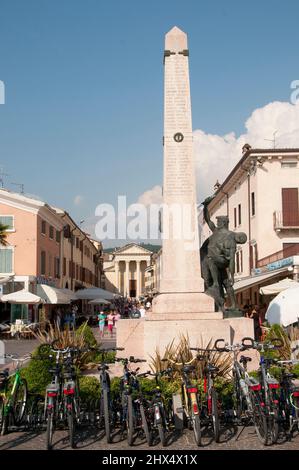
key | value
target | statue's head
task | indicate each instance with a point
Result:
(240, 237)
(222, 221)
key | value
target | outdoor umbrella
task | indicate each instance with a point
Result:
(94, 293)
(22, 297)
(99, 301)
(284, 308)
(277, 287)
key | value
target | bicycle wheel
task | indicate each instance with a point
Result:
(50, 429)
(196, 429)
(259, 419)
(274, 427)
(215, 416)
(130, 420)
(107, 415)
(19, 401)
(145, 426)
(71, 426)
(3, 418)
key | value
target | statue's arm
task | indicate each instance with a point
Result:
(231, 268)
(206, 213)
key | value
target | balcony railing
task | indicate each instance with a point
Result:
(286, 253)
(283, 221)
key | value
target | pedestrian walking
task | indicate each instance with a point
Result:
(101, 320)
(110, 319)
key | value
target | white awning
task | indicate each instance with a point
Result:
(277, 287)
(22, 297)
(94, 293)
(53, 295)
(244, 284)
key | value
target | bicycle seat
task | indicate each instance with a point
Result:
(188, 369)
(244, 359)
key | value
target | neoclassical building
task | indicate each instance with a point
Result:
(124, 269)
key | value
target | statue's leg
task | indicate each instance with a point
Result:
(230, 292)
(214, 272)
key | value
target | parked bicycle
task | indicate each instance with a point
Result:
(265, 394)
(242, 381)
(209, 413)
(134, 406)
(189, 395)
(161, 415)
(62, 405)
(289, 398)
(107, 408)
(13, 395)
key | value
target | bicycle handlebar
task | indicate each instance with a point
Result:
(182, 363)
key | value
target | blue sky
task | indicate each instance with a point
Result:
(84, 86)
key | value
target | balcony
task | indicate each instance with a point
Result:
(279, 255)
(285, 221)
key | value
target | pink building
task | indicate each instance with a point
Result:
(45, 247)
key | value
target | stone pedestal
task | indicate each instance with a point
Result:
(142, 337)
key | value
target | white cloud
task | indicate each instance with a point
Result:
(215, 155)
(78, 200)
(152, 196)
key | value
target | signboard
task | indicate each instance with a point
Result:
(280, 263)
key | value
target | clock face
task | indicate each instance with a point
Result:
(178, 137)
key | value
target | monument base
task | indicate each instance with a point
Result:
(143, 337)
(183, 303)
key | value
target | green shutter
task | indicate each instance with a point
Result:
(6, 260)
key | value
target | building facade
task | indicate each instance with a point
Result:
(260, 197)
(45, 246)
(125, 269)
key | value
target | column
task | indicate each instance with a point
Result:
(127, 279)
(117, 275)
(138, 282)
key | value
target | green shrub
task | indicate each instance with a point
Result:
(90, 388)
(88, 335)
(37, 372)
(295, 370)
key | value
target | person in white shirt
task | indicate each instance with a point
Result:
(142, 311)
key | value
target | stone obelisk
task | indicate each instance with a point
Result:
(181, 287)
(181, 307)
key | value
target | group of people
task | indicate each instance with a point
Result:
(257, 314)
(111, 318)
(65, 316)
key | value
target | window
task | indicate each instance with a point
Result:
(235, 217)
(64, 266)
(50, 266)
(77, 271)
(51, 232)
(77, 242)
(43, 263)
(7, 220)
(252, 204)
(57, 236)
(44, 227)
(239, 214)
(57, 268)
(6, 260)
(288, 164)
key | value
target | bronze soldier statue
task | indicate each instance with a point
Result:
(217, 256)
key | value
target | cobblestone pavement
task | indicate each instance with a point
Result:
(87, 438)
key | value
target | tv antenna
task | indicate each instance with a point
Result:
(21, 186)
(273, 140)
(1, 177)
